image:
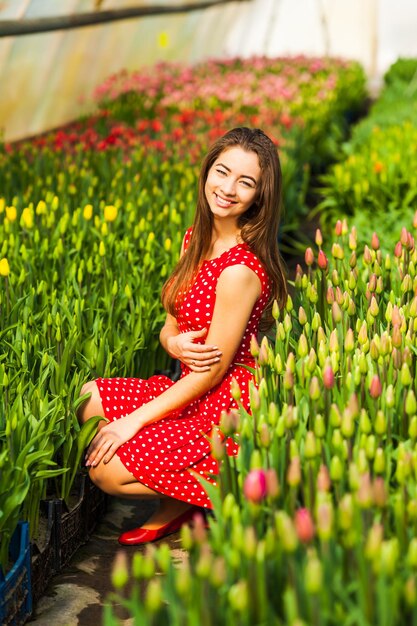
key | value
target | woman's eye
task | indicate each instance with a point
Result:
(221, 172)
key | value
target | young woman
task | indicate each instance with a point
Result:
(223, 287)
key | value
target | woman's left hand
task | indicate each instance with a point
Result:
(109, 439)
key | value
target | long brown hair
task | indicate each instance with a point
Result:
(259, 224)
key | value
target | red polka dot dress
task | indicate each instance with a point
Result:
(162, 454)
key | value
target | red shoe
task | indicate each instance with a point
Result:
(145, 535)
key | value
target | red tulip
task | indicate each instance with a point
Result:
(304, 525)
(322, 260)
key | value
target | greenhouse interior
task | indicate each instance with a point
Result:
(208, 312)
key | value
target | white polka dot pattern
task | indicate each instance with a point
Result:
(162, 454)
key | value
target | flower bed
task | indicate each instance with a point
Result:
(377, 175)
(304, 104)
(315, 520)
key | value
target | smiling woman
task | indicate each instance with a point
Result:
(224, 286)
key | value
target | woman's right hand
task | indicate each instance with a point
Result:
(198, 357)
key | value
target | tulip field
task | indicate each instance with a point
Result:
(315, 519)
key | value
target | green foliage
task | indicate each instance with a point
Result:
(404, 70)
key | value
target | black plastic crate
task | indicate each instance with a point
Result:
(96, 504)
(44, 560)
(71, 525)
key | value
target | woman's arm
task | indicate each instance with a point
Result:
(238, 288)
(199, 357)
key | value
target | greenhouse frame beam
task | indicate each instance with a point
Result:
(13, 28)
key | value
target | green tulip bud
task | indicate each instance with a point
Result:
(336, 469)
(302, 316)
(410, 593)
(310, 448)
(374, 541)
(337, 440)
(324, 517)
(410, 402)
(183, 581)
(319, 426)
(348, 425)
(238, 596)
(380, 424)
(316, 322)
(294, 472)
(389, 557)
(346, 512)
(412, 429)
(379, 461)
(349, 341)
(314, 389)
(354, 477)
(335, 418)
(120, 574)
(405, 377)
(365, 425)
(311, 361)
(313, 574)
(370, 447)
(390, 396)
(302, 349)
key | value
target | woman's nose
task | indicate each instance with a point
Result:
(229, 187)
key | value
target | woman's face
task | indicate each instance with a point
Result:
(232, 183)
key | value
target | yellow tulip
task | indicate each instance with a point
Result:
(27, 218)
(2, 204)
(40, 208)
(88, 212)
(11, 213)
(102, 249)
(4, 267)
(110, 213)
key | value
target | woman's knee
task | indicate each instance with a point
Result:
(103, 477)
(92, 405)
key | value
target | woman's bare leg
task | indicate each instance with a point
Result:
(115, 479)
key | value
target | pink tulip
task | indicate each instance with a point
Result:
(323, 479)
(254, 487)
(398, 250)
(375, 388)
(319, 237)
(375, 241)
(304, 525)
(328, 377)
(338, 228)
(309, 256)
